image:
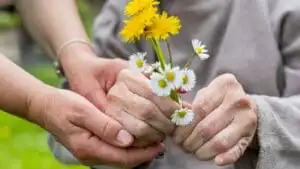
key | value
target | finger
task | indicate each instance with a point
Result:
(90, 150)
(139, 129)
(203, 101)
(87, 85)
(140, 108)
(223, 141)
(219, 119)
(139, 85)
(233, 154)
(98, 98)
(103, 126)
(206, 100)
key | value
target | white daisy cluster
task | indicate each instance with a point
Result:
(164, 81)
(168, 79)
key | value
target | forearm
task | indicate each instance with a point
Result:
(17, 88)
(51, 23)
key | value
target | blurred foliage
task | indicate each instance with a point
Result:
(24, 145)
(86, 14)
(46, 73)
(10, 20)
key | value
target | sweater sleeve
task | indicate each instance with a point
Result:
(279, 118)
(278, 132)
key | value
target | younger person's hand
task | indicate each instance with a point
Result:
(91, 136)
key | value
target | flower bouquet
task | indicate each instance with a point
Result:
(166, 79)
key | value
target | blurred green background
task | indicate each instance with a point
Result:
(24, 145)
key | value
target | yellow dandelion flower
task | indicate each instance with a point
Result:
(136, 6)
(135, 27)
(163, 26)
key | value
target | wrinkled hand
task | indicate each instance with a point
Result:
(89, 75)
(225, 122)
(91, 136)
(143, 113)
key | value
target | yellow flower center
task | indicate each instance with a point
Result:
(185, 79)
(162, 84)
(170, 76)
(181, 114)
(199, 50)
(139, 63)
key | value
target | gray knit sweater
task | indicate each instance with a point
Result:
(258, 41)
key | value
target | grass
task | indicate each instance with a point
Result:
(9, 21)
(24, 145)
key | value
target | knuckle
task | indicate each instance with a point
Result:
(244, 101)
(118, 61)
(204, 103)
(201, 107)
(149, 94)
(147, 112)
(229, 80)
(123, 74)
(142, 129)
(204, 132)
(221, 145)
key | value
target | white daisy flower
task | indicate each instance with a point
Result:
(200, 49)
(148, 70)
(156, 65)
(173, 76)
(160, 85)
(182, 117)
(188, 79)
(137, 62)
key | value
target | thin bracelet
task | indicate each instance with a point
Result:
(57, 65)
(70, 42)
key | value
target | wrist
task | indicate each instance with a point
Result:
(37, 104)
(73, 56)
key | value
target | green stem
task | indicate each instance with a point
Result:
(174, 95)
(170, 54)
(189, 62)
(159, 53)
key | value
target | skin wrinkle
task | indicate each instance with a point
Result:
(116, 99)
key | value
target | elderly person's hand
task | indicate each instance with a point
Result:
(143, 113)
(91, 136)
(225, 122)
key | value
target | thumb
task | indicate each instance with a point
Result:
(106, 128)
(98, 98)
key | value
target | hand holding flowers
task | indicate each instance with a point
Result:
(225, 122)
(165, 78)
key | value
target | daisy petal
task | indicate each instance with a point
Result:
(182, 117)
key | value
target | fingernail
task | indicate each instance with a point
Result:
(124, 137)
(160, 155)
